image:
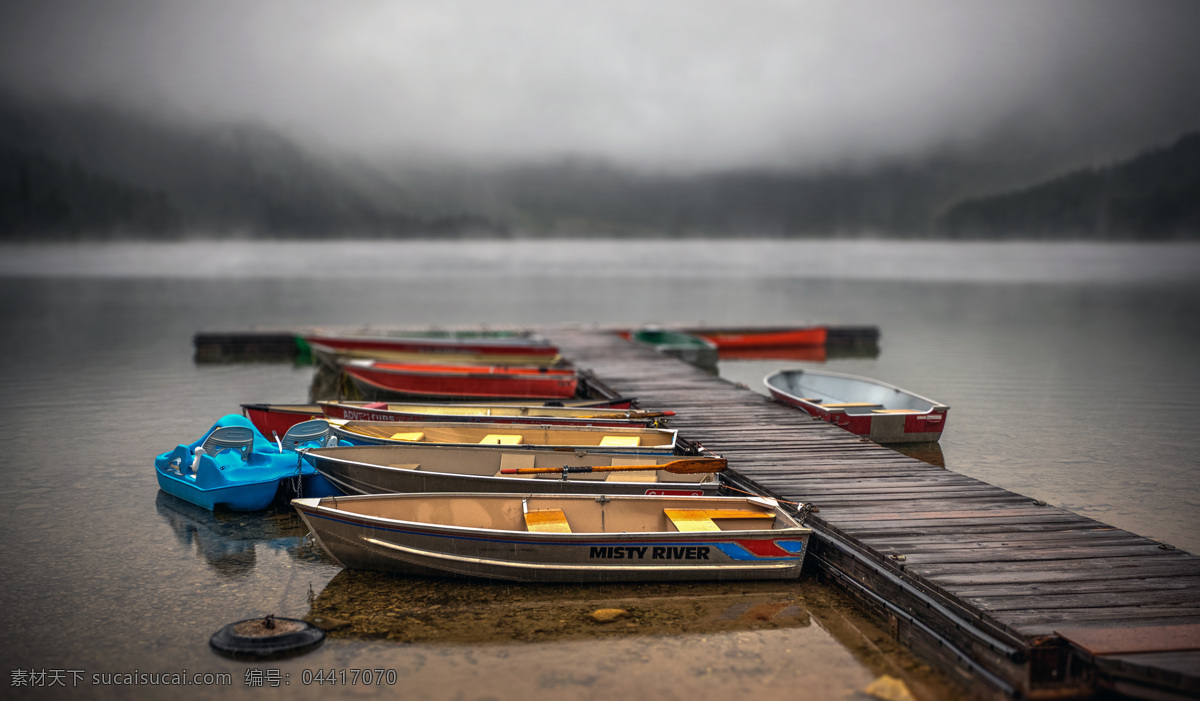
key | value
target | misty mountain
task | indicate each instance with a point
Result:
(1153, 196)
(76, 170)
(241, 179)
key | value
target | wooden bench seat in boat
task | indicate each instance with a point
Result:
(896, 411)
(516, 461)
(623, 441)
(700, 520)
(547, 521)
(851, 405)
(501, 439)
(409, 436)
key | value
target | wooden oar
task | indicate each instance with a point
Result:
(685, 466)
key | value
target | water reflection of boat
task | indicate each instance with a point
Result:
(679, 344)
(865, 407)
(373, 605)
(925, 452)
(228, 541)
(561, 537)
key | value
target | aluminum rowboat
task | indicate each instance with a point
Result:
(481, 413)
(629, 441)
(280, 417)
(560, 538)
(865, 407)
(408, 469)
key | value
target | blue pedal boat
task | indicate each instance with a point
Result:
(235, 466)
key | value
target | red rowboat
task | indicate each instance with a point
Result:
(882, 412)
(458, 381)
(280, 417)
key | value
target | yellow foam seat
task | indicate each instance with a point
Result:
(699, 520)
(628, 441)
(547, 521)
(691, 520)
(410, 436)
(501, 439)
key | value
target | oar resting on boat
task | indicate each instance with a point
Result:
(678, 467)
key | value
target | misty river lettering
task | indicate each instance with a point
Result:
(657, 552)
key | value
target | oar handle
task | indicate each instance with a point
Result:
(683, 466)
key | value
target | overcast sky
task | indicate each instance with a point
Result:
(687, 84)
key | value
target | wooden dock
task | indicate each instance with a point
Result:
(1016, 597)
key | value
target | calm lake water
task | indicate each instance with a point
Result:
(1070, 369)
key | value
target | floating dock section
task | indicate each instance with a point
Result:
(1018, 598)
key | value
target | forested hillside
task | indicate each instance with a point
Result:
(1153, 196)
(88, 171)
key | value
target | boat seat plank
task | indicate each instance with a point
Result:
(737, 513)
(896, 411)
(850, 405)
(501, 439)
(547, 521)
(691, 520)
(633, 476)
(516, 461)
(409, 436)
(621, 441)
(406, 466)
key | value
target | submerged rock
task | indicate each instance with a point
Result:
(608, 615)
(889, 689)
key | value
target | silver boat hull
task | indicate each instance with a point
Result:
(406, 547)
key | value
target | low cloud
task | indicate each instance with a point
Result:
(686, 85)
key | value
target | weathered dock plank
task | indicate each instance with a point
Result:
(971, 575)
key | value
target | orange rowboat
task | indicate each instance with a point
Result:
(765, 337)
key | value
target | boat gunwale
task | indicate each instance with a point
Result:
(467, 370)
(340, 429)
(534, 346)
(509, 480)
